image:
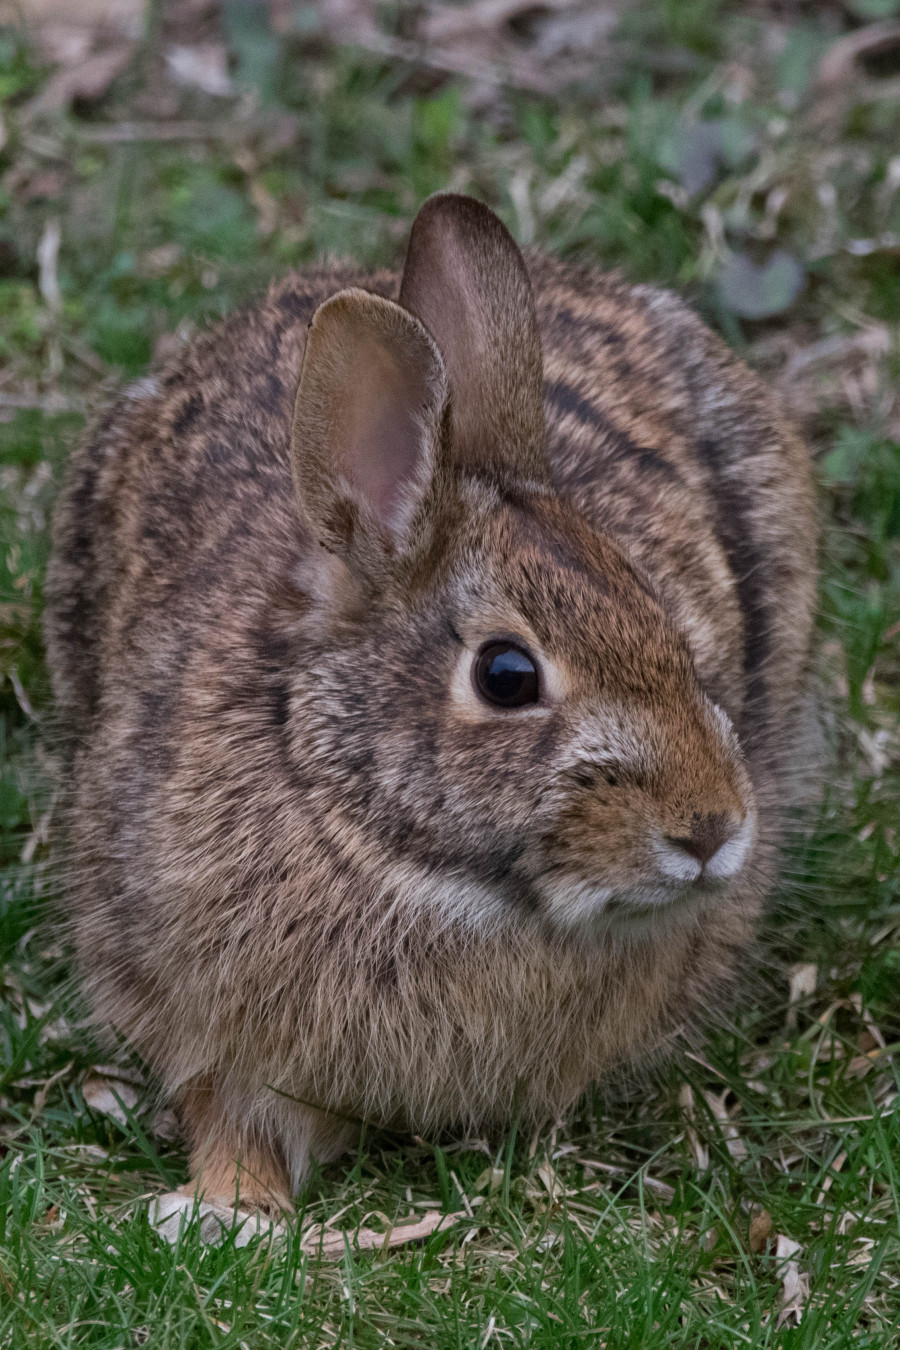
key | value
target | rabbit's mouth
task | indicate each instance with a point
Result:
(675, 888)
(714, 850)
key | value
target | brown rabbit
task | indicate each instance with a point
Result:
(429, 702)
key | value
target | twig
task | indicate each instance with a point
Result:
(45, 403)
(47, 258)
(123, 133)
(450, 63)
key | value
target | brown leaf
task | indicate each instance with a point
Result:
(41, 186)
(157, 261)
(124, 15)
(349, 20)
(699, 1150)
(795, 1284)
(64, 32)
(165, 1126)
(203, 66)
(865, 1042)
(733, 1141)
(47, 258)
(111, 1097)
(827, 1183)
(838, 64)
(451, 22)
(333, 1244)
(89, 79)
(490, 42)
(760, 1230)
(803, 985)
(169, 1212)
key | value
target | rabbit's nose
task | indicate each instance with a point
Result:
(707, 835)
(714, 847)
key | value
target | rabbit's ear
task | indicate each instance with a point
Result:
(367, 424)
(467, 281)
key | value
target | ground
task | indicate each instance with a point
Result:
(157, 172)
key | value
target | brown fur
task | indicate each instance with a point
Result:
(307, 867)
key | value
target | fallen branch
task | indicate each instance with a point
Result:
(333, 1243)
(122, 133)
(45, 403)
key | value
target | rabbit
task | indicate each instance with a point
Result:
(428, 654)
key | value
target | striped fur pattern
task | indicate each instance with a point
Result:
(310, 875)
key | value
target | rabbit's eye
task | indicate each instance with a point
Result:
(506, 675)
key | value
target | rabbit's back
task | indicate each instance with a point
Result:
(655, 431)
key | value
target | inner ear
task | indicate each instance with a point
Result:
(377, 429)
(366, 422)
(467, 281)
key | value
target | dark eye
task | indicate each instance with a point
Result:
(506, 675)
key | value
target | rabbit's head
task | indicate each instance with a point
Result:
(498, 703)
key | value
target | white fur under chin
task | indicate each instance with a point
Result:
(583, 909)
(575, 905)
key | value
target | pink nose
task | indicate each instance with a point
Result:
(708, 834)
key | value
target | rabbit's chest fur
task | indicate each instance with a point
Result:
(218, 889)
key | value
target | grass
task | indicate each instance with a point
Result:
(655, 1216)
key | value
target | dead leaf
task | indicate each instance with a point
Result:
(61, 44)
(661, 1189)
(64, 33)
(491, 42)
(875, 340)
(349, 20)
(803, 985)
(760, 1230)
(110, 1097)
(122, 15)
(582, 29)
(700, 1151)
(795, 1284)
(165, 1126)
(832, 1173)
(169, 1212)
(837, 66)
(333, 1244)
(203, 67)
(733, 1141)
(88, 79)
(754, 291)
(47, 184)
(47, 257)
(550, 1179)
(156, 262)
(120, 1072)
(490, 1180)
(266, 207)
(451, 22)
(40, 1097)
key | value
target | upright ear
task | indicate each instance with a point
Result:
(466, 280)
(367, 424)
